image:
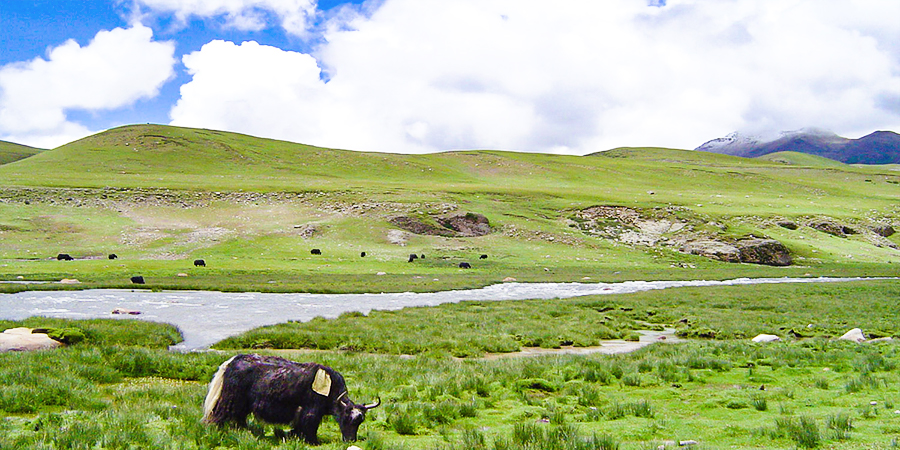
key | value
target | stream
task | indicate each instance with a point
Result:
(206, 317)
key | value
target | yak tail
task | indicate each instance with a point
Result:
(215, 390)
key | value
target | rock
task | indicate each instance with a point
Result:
(353, 447)
(768, 252)
(881, 339)
(125, 311)
(787, 224)
(468, 224)
(687, 443)
(23, 339)
(182, 274)
(69, 281)
(883, 230)
(766, 338)
(508, 279)
(855, 335)
(713, 249)
(827, 226)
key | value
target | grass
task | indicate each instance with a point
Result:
(120, 390)
(160, 197)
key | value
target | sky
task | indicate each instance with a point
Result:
(421, 76)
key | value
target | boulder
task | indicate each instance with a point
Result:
(827, 226)
(883, 230)
(787, 224)
(855, 335)
(764, 251)
(713, 249)
(766, 338)
(468, 224)
(23, 339)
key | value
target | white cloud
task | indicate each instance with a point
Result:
(295, 16)
(115, 69)
(577, 77)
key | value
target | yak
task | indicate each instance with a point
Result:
(281, 391)
(199, 263)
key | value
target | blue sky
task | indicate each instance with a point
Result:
(418, 76)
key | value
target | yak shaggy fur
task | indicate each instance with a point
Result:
(280, 391)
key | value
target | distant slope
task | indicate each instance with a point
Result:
(880, 147)
(10, 152)
(801, 159)
(165, 157)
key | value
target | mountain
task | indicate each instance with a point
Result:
(880, 147)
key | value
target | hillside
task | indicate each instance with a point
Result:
(10, 152)
(880, 147)
(161, 196)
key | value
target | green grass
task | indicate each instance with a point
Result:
(161, 196)
(120, 388)
(10, 152)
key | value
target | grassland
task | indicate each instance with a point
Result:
(117, 390)
(10, 152)
(159, 197)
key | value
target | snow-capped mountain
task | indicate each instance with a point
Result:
(880, 147)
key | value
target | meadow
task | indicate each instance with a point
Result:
(160, 197)
(120, 388)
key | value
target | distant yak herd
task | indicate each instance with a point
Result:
(202, 263)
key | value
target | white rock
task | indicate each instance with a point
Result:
(855, 335)
(766, 338)
(353, 447)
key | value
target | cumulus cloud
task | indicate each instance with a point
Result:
(577, 77)
(295, 16)
(115, 69)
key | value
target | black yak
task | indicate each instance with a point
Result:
(199, 263)
(281, 391)
(64, 257)
(413, 257)
(113, 256)
(315, 251)
(465, 265)
(137, 279)
(482, 257)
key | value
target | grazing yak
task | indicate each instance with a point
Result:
(413, 257)
(465, 265)
(199, 263)
(482, 257)
(113, 256)
(281, 391)
(64, 257)
(137, 279)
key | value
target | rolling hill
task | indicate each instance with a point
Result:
(158, 196)
(10, 152)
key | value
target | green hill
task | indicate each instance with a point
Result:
(159, 196)
(10, 152)
(801, 159)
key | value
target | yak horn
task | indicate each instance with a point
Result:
(373, 405)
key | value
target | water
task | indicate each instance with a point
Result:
(205, 318)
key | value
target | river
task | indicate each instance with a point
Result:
(205, 317)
